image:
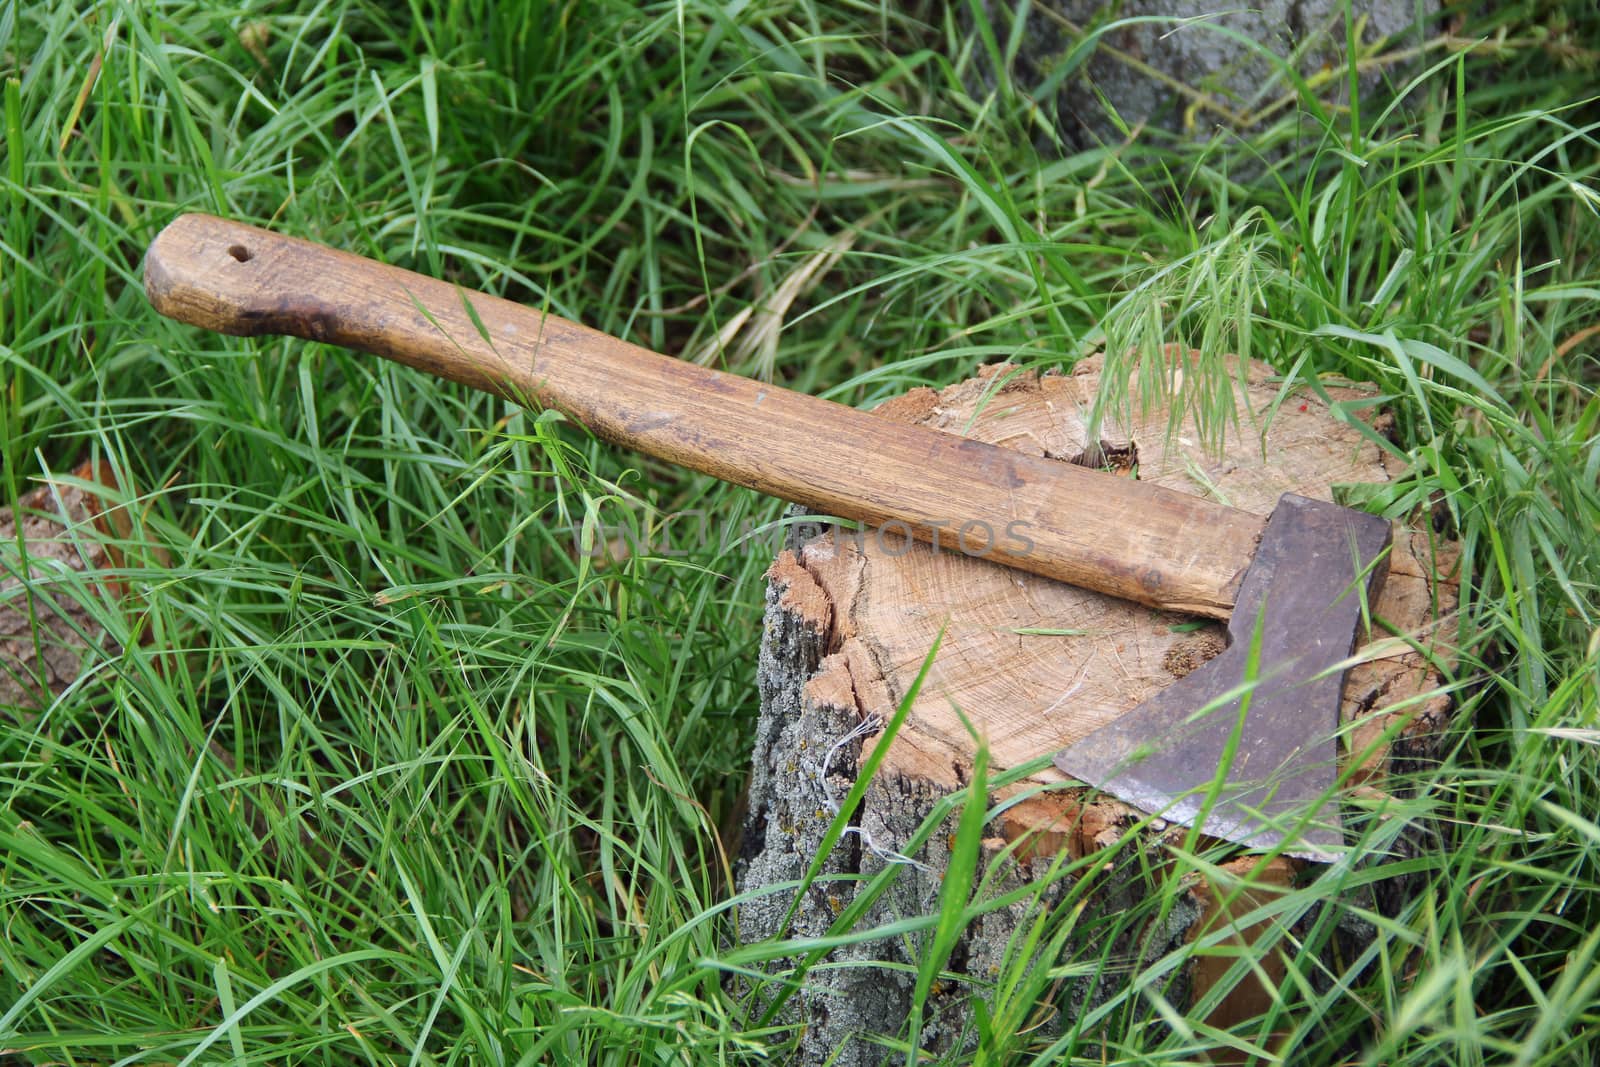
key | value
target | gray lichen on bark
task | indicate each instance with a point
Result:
(789, 818)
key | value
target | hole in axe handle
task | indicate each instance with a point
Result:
(239, 252)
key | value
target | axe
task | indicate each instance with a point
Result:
(1243, 748)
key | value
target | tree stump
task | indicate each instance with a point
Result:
(1034, 665)
(62, 535)
(1194, 68)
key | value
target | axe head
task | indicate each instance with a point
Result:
(1245, 747)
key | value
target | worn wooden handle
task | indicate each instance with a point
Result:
(1125, 538)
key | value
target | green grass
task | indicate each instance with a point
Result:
(385, 771)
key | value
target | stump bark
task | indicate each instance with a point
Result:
(1033, 665)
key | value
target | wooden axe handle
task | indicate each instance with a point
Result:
(1115, 535)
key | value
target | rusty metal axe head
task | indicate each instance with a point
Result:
(1245, 747)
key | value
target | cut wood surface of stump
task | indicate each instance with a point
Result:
(1034, 665)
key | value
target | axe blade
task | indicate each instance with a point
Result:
(1316, 567)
